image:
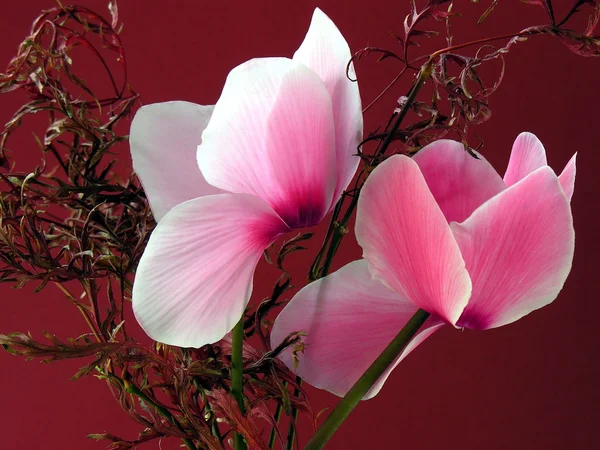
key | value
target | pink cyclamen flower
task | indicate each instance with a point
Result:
(445, 233)
(276, 153)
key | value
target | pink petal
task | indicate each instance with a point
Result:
(459, 182)
(326, 52)
(163, 139)
(349, 318)
(519, 248)
(407, 241)
(528, 154)
(272, 135)
(195, 276)
(567, 177)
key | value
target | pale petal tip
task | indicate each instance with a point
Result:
(530, 139)
(319, 14)
(572, 162)
(527, 135)
(567, 177)
(322, 23)
(527, 155)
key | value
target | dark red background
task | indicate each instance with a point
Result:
(531, 385)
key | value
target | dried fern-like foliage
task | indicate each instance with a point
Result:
(74, 223)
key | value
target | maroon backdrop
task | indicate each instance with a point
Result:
(530, 385)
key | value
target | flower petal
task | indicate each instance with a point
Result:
(163, 139)
(272, 135)
(528, 154)
(349, 318)
(567, 177)
(407, 241)
(519, 248)
(459, 182)
(195, 276)
(326, 52)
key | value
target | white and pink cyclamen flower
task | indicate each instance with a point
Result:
(276, 153)
(445, 233)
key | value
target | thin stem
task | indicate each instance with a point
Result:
(366, 381)
(570, 14)
(551, 12)
(526, 32)
(424, 74)
(273, 434)
(314, 269)
(292, 428)
(387, 88)
(80, 308)
(338, 234)
(237, 375)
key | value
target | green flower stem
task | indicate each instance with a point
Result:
(292, 428)
(237, 375)
(273, 434)
(366, 381)
(335, 234)
(314, 269)
(291, 437)
(424, 74)
(339, 231)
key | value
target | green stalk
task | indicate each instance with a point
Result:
(366, 381)
(292, 428)
(339, 231)
(273, 434)
(314, 268)
(237, 375)
(335, 234)
(424, 74)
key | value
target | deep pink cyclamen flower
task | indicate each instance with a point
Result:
(277, 151)
(445, 233)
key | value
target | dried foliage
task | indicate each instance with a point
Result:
(460, 93)
(73, 223)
